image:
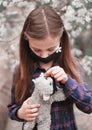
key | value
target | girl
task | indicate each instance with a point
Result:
(45, 47)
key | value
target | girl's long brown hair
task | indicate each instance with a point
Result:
(40, 23)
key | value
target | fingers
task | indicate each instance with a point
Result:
(54, 70)
(28, 112)
(33, 106)
(32, 115)
(51, 71)
(58, 73)
(32, 110)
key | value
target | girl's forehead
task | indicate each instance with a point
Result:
(44, 43)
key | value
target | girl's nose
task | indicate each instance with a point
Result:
(44, 54)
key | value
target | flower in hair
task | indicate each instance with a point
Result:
(59, 49)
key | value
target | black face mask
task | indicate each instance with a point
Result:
(51, 57)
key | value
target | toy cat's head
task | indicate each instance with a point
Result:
(44, 86)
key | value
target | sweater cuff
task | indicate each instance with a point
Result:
(70, 86)
(15, 115)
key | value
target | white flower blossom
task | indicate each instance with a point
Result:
(87, 18)
(45, 1)
(1, 2)
(55, 3)
(68, 25)
(3, 57)
(80, 20)
(88, 1)
(76, 32)
(77, 52)
(5, 3)
(15, 1)
(82, 12)
(13, 47)
(77, 3)
(2, 30)
(12, 13)
(22, 4)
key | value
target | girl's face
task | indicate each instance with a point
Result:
(44, 47)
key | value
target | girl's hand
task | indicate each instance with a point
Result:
(57, 73)
(28, 112)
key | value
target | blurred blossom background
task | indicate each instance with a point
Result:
(77, 17)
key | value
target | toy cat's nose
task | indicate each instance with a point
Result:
(50, 83)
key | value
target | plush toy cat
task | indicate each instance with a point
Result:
(43, 95)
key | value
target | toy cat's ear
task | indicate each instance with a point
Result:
(42, 74)
(34, 80)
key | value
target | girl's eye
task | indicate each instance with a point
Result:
(51, 50)
(37, 50)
